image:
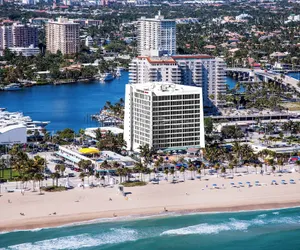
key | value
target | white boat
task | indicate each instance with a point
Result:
(106, 77)
(118, 72)
(17, 118)
(12, 87)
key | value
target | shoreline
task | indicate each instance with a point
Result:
(133, 214)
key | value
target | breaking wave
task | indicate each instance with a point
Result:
(80, 241)
(232, 225)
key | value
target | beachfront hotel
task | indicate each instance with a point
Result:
(163, 115)
(156, 36)
(203, 71)
(62, 35)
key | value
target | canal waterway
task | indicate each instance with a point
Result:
(70, 105)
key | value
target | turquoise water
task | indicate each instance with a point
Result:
(273, 229)
(294, 75)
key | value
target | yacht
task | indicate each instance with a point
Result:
(12, 87)
(106, 77)
(118, 72)
(15, 118)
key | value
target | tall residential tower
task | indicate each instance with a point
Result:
(203, 71)
(156, 36)
(62, 35)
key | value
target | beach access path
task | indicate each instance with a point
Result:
(32, 210)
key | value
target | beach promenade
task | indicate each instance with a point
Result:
(32, 210)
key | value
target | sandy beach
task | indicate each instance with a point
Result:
(77, 205)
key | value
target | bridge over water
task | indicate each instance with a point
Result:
(259, 74)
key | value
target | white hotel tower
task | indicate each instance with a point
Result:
(163, 115)
(156, 36)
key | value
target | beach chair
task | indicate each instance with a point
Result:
(232, 185)
(292, 181)
(241, 184)
(257, 183)
(248, 183)
(283, 182)
(274, 182)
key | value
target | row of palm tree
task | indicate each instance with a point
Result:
(27, 169)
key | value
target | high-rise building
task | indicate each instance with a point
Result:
(24, 36)
(163, 115)
(62, 35)
(28, 2)
(156, 36)
(202, 71)
(6, 37)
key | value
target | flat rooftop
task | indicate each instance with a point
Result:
(166, 88)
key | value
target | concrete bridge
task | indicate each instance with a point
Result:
(262, 75)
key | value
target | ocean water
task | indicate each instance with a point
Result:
(271, 229)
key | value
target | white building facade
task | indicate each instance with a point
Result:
(13, 134)
(63, 36)
(202, 71)
(30, 51)
(163, 115)
(156, 36)
(6, 37)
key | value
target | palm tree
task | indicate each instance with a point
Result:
(97, 176)
(81, 176)
(120, 172)
(166, 172)
(255, 166)
(217, 167)
(182, 170)
(298, 164)
(203, 167)
(199, 172)
(230, 166)
(98, 134)
(138, 168)
(280, 163)
(172, 172)
(39, 177)
(192, 170)
(60, 168)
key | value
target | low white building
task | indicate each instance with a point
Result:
(25, 51)
(89, 41)
(13, 134)
(91, 131)
(163, 115)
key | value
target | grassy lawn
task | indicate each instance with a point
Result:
(292, 106)
(5, 174)
(133, 183)
(53, 189)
